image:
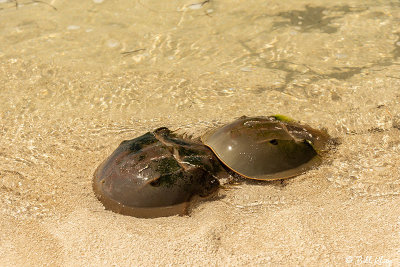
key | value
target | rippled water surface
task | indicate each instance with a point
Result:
(78, 77)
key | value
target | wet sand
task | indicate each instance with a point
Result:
(78, 78)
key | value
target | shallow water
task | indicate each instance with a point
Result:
(78, 77)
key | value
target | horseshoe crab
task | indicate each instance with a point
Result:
(267, 148)
(159, 173)
(156, 174)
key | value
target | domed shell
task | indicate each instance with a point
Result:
(156, 174)
(267, 148)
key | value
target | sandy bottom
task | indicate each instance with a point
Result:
(77, 80)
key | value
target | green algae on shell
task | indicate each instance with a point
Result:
(267, 148)
(156, 174)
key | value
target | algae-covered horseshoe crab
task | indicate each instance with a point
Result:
(267, 148)
(156, 174)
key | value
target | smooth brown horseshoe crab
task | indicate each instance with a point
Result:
(156, 174)
(267, 148)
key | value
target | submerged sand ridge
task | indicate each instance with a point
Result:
(69, 96)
